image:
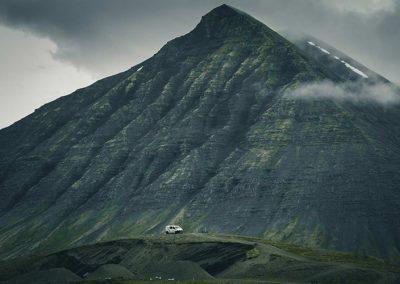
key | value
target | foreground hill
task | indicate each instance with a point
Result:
(197, 257)
(203, 135)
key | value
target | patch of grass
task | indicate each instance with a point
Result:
(322, 255)
(253, 253)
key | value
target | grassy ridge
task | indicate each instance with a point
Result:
(205, 258)
(323, 255)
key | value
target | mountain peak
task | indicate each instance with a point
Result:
(223, 10)
(227, 21)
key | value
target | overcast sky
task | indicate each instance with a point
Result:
(49, 48)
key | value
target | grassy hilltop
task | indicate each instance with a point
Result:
(204, 258)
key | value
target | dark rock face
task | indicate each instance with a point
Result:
(201, 135)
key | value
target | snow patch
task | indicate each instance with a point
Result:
(354, 69)
(324, 50)
(351, 67)
(317, 46)
(140, 68)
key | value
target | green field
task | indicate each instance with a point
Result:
(197, 258)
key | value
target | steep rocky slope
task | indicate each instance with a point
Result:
(201, 134)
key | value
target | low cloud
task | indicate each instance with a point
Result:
(384, 94)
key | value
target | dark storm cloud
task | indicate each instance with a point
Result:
(99, 35)
(106, 36)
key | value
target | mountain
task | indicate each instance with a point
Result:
(203, 135)
(200, 257)
(336, 61)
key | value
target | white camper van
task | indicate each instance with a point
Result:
(173, 229)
